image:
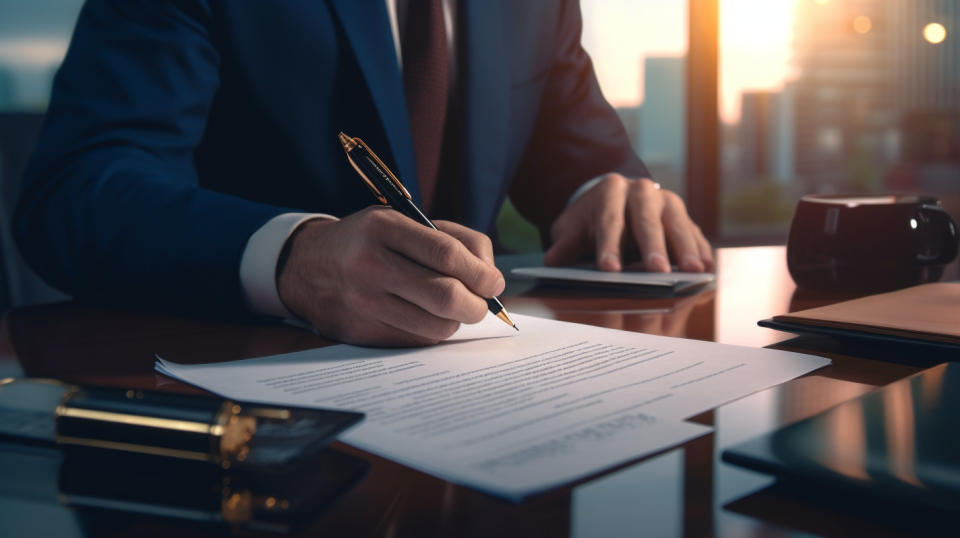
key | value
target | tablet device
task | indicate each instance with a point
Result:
(899, 442)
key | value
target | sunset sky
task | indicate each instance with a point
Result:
(755, 44)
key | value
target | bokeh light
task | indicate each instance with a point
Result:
(934, 33)
(862, 24)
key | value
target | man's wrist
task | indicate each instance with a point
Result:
(262, 261)
(582, 189)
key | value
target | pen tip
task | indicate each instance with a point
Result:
(502, 314)
(517, 328)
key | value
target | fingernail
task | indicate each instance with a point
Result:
(501, 285)
(691, 263)
(657, 262)
(610, 262)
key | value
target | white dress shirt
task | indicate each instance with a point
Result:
(258, 264)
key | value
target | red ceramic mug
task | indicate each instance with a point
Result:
(869, 243)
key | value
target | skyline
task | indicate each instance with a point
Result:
(755, 44)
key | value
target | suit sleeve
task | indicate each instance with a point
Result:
(578, 135)
(110, 209)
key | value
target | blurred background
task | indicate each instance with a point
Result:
(827, 96)
(813, 96)
(790, 97)
(34, 35)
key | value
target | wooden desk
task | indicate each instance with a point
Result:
(684, 491)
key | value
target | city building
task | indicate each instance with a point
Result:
(765, 138)
(632, 117)
(662, 129)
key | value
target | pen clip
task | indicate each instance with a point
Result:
(348, 145)
(366, 181)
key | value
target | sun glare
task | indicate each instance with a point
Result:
(755, 37)
(934, 33)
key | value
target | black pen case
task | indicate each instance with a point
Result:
(168, 425)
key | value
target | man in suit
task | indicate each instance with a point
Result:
(189, 160)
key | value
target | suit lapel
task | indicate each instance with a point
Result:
(367, 27)
(486, 100)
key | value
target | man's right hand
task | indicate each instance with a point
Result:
(379, 278)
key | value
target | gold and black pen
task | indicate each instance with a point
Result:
(388, 190)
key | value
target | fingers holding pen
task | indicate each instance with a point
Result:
(377, 278)
(477, 243)
(440, 296)
(445, 255)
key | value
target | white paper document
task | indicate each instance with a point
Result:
(629, 277)
(512, 413)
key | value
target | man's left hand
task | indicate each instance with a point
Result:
(622, 217)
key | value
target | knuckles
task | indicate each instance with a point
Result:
(647, 184)
(482, 246)
(615, 182)
(444, 252)
(674, 201)
(445, 297)
(485, 280)
(452, 302)
(646, 188)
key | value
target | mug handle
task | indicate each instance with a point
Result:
(951, 237)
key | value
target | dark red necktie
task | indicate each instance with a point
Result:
(426, 82)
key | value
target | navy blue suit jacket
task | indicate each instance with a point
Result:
(177, 128)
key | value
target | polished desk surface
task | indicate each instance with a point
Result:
(684, 491)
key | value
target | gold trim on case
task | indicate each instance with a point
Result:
(136, 420)
(227, 425)
(132, 447)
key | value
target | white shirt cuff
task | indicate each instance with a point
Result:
(584, 188)
(258, 265)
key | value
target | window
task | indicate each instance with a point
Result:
(835, 96)
(33, 39)
(639, 51)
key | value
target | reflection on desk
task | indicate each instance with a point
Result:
(74, 491)
(899, 443)
(92, 345)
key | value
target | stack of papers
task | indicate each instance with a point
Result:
(512, 413)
